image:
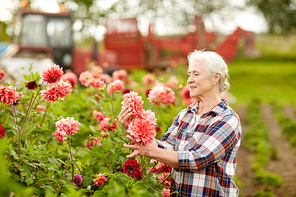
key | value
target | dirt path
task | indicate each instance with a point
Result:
(289, 111)
(286, 162)
(243, 172)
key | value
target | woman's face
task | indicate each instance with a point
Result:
(200, 82)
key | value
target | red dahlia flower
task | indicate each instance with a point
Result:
(31, 85)
(100, 179)
(68, 125)
(2, 73)
(52, 74)
(56, 91)
(2, 132)
(8, 95)
(132, 168)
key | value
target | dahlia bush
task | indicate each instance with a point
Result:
(60, 135)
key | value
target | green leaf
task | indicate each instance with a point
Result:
(53, 161)
(13, 153)
(27, 77)
(10, 122)
(29, 130)
(69, 162)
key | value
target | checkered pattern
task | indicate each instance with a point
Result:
(207, 150)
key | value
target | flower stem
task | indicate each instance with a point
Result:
(44, 114)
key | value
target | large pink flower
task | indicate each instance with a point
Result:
(119, 74)
(85, 78)
(68, 125)
(2, 132)
(134, 102)
(100, 179)
(132, 168)
(105, 77)
(143, 129)
(56, 91)
(52, 74)
(161, 95)
(8, 95)
(114, 86)
(60, 136)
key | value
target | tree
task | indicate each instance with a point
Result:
(279, 14)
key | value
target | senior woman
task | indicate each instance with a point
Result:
(202, 143)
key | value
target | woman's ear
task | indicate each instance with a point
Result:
(217, 78)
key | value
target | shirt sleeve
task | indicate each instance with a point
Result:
(219, 138)
(168, 140)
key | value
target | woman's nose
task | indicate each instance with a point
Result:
(189, 80)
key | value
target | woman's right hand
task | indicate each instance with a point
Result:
(124, 116)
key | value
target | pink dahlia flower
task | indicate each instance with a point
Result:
(114, 86)
(104, 124)
(71, 77)
(93, 141)
(142, 130)
(165, 192)
(40, 108)
(160, 167)
(119, 74)
(148, 79)
(52, 74)
(106, 78)
(60, 136)
(134, 102)
(100, 179)
(2, 73)
(97, 83)
(85, 78)
(161, 95)
(96, 71)
(132, 168)
(164, 178)
(8, 95)
(56, 91)
(99, 116)
(68, 125)
(77, 180)
(2, 132)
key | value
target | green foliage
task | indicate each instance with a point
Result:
(279, 14)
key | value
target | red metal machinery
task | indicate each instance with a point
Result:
(124, 37)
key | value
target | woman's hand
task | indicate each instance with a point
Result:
(124, 116)
(142, 150)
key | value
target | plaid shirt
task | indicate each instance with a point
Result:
(207, 150)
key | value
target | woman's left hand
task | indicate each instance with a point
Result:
(139, 149)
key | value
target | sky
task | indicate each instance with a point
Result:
(248, 19)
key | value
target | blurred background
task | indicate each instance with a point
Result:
(255, 37)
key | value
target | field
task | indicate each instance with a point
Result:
(34, 161)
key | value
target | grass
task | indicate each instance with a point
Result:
(265, 80)
(271, 77)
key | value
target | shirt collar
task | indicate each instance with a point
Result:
(216, 109)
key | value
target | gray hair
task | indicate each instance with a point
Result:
(213, 64)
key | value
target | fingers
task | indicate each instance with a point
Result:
(131, 138)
